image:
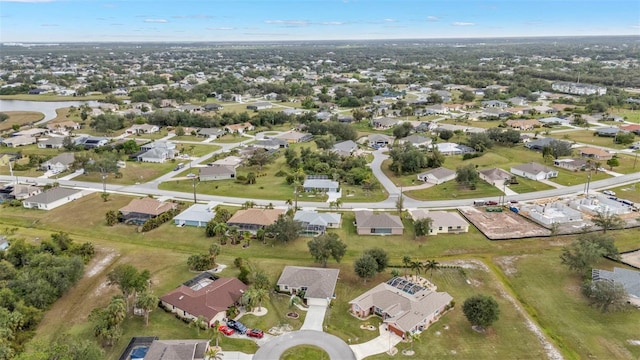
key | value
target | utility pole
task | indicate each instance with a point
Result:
(194, 191)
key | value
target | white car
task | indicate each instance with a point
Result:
(609, 192)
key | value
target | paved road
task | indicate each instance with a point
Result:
(333, 345)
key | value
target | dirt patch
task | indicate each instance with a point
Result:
(100, 263)
(502, 225)
(508, 263)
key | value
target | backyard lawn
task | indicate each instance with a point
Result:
(20, 118)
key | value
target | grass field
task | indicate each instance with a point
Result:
(134, 172)
(50, 97)
(629, 115)
(227, 139)
(451, 190)
(587, 137)
(20, 118)
(544, 288)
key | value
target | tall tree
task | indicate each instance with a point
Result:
(380, 256)
(608, 221)
(406, 261)
(129, 280)
(417, 266)
(285, 229)
(481, 310)
(583, 252)
(431, 265)
(146, 301)
(605, 295)
(422, 227)
(365, 267)
(325, 246)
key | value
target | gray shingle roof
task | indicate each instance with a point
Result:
(630, 279)
(315, 218)
(320, 282)
(369, 219)
(52, 195)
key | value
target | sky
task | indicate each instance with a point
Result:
(282, 20)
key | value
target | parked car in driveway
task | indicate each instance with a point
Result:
(237, 326)
(255, 333)
(226, 330)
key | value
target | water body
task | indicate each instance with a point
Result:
(48, 108)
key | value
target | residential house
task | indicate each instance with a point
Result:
(609, 131)
(315, 223)
(345, 148)
(233, 161)
(578, 88)
(540, 144)
(63, 128)
(518, 101)
(293, 137)
(379, 140)
(494, 104)
(534, 171)
(217, 172)
(634, 128)
(138, 129)
(524, 124)
(442, 222)
(59, 163)
(33, 132)
(143, 209)
(205, 296)
(91, 142)
(321, 185)
(403, 306)
(197, 215)
(629, 279)
(259, 106)
(554, 121)
(52, 198)
(16, 141)
(384, 123)
(370, 223)
(239, 128)
(176, 350)
(213, 107)
(595, 153)
(157, 152)
(271, 144)
(437, 176)
(453, 127)
(448, 148)
(495, 113)
(21, 191)
(211, 133)
(192, 109)
(495, 176)
(315, 285)
(416, 140)
(51, 143)
(253, 219)
(436, 109)
(572, 164)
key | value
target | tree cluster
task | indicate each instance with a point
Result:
(370, 263)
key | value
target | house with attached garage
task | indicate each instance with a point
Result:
(315, 223)
(157, 152)
(211, 133)
(54, 142)
(609, 131)
(259, 106)
(321, 185)
(495, 176)
(316, 286)
(293, 137)
(442, 222)
(253, 219)
(437, 176)
(573, 164)
(138, 129)
(59, 163)
(239, 128)
(345, 148)
(174, 349)
(370, 223)
(205, 296)
(143, 209)
(52, 198)
(379, 140)
(16, 141)
(403, 305)
(595, 153)
(197, 215)
(217, 172)
(416, 140)
(384, 123)
(534, 171)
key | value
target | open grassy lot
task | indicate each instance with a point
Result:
(544, 287)
(20, 118)
(527, 185)
(452, 190)
(188, 138)
(477, 123)
(588, 137)
(629, 115)
(230, 138)
(154, 136)
(50, 97)
(629, 192)
(134, 172)
(196, 149)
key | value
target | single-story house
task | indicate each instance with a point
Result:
(524, 124)
(403, 305)
(33, 132)
(595, 153)
(91, 142)
(494, 104)
(384, 123)
(293, 137)
(176, 349)
(143, 209)
(233, 161)
(534, 171)
(207, 297)
(259, 106)
(496, 113)
(370, 223)
(495, 176)
(634, 128)
(318, 284)
(239, 128)
(540, 144)
(212, 133)
(16, 141)
(317, 223)
(572, 164)
(437, 176)
(416, 140)
(322, 185)
(52, 198)
(448, 148)
(54, 142)
(63, 127)
(609, 131)
(442, 222)
(271, 144)
(253, 219)
(629, 279)
(345, 148)
(554, 121)
(157, 152)
(142, 129)
(197, 215)
(59, 163)
(379, 140)
(217, 172)
(213, 107)
(21, 191)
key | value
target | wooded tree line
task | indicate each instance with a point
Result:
(32, 277)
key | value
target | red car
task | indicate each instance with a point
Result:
(255, 333)
(226, 330)
(491, 203)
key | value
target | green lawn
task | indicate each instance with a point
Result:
(188, 138)
(587, 137)
(451, 190)
(629, 115)
(526, 185)
(135, 172)
(629, 192)
(229, 138)
(20, 118)
(154, 136)
(196, 149)
(304, 352)
(50, 97)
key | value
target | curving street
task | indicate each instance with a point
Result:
(333, 345)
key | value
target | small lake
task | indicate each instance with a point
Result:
(48, 108)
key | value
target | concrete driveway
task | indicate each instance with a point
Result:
(379, 345)
(314, 318)
(333, 345)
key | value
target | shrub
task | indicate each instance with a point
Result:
(281, 173)
(471, 156)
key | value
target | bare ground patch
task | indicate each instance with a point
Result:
(502, 225)
(508, 263)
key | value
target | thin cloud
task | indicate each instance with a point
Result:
(199, 16)
(389, 20)
(433, 18)
(222, 28)
(462, 23)
(635, 26)
(288, 22)
(332, 23)
(156, 21)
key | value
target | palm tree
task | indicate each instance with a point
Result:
(147, 302)
(338, 203)
(214, 251)
(199, 323)
(260, 295)
(233, 234)
(215, 331)
(431, 265)
(411, 337)
(220, 228)
(406, 261)
(214, 353)
(261, 235)
(417, 266)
